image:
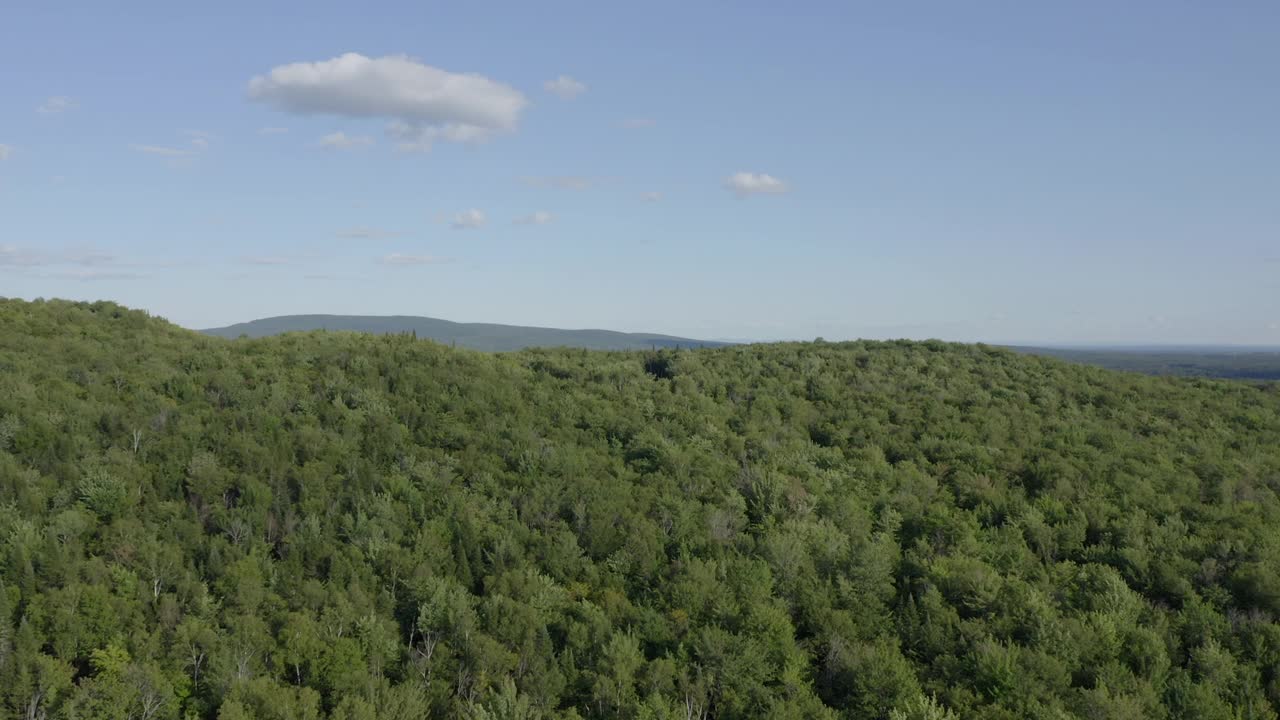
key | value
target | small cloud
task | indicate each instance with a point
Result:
(468, 219)
(564, 87)
(163, 150)
(57, 104)
(88, 257)
(4, 151)
(199, 139)
(401, 260)
(273, 131)
(539, 217)
(14, 256)
(744, 183)
(638, 123)
(651, 196)
(561, 182)
(423, 103)
(342, 141)
(265, 260)
(365, 233)
(90, 275)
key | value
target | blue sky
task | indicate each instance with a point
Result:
(1000, 171)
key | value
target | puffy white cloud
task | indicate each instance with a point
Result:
(564, 87)
(538, 217)
(651, 196)
(343, 141)
(403, 260)
(468, 219)
(4, 151)
(423, 103)
(420, 139)
(744, 183)
(57, 104)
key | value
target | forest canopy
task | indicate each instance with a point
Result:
(349, 526)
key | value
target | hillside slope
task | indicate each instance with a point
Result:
(476, 336)
(355, 526)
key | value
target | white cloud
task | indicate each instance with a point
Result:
(365, 233)
(57, 104)
(468, 219)
(652, 196)
(4, 152)
(561, 182)
(638, 123)
(88, 262)
(198, 139)
(273, 130)
(163, 150)
(14, 256)
(403, 260)
(419, 139)
(343, 141)
(744, 183)
(422, 102)
(88, 257)
(538, 217)
(87, 275)
(564, 87)
(265, 260)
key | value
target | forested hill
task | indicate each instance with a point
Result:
(337, 525)
(476, 336)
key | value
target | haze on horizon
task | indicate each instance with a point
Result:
(1086, 173)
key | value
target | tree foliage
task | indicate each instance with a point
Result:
(334, 525)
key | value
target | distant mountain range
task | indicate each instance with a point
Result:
(1242, 363)
(476, 336)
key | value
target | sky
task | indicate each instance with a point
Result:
(1054, 173)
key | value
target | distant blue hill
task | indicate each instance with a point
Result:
(1233, 362)
(477, 336)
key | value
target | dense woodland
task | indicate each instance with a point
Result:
(335, 525)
